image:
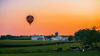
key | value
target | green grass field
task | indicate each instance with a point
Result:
(23, 42)
(48, 50)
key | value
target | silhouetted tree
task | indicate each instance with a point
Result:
(88, 36)
(70, 38)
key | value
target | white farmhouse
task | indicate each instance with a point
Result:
(37, 37)
(57, 37)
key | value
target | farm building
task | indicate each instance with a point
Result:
(57, 37)
(60, 38)
(50, 37)
(37, 37)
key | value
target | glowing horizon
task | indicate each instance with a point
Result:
(63, 16)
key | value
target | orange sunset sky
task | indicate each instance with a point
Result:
(63, 16)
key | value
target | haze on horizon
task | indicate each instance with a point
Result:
(63, 16)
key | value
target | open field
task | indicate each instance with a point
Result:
(23, 42)
(47, 50)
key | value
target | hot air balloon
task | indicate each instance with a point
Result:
(30, 19)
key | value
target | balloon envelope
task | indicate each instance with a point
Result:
(30, 19)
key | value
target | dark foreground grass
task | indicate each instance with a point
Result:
(90, 53)
(49, 50)
(33, 49)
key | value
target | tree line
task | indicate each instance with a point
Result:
(90, 37)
